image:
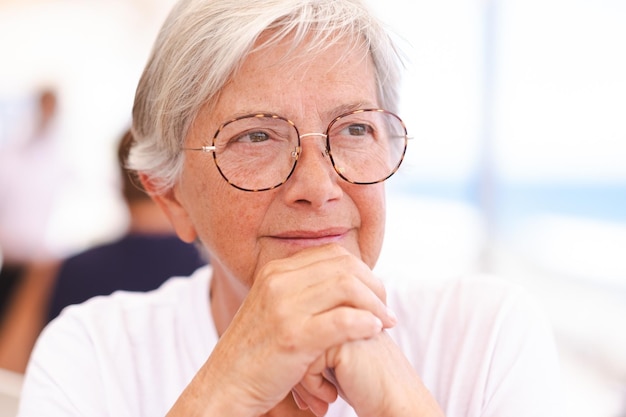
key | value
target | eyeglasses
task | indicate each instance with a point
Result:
(259, 152)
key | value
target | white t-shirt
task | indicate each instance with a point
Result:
(481, 346)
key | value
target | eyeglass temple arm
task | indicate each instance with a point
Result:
(206, 148)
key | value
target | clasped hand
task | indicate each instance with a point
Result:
(313, 325)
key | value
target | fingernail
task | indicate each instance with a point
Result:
(301, 404)
(379, 323)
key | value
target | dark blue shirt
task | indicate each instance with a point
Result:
(133, 263)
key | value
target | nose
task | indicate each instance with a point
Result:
(314, 181)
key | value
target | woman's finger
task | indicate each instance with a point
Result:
(306, 400)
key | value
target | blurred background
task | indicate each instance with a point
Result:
(517, 166)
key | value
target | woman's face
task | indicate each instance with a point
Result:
(241, 230)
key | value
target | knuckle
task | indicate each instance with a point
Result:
(348, 287)
(344, 319)
(288, 339)
(270, 280)
(270, 269)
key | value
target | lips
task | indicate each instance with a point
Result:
(332, 233)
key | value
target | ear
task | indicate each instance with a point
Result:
(173, 209)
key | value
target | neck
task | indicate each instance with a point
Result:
(227, 294)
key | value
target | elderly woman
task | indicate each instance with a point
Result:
(265, 129)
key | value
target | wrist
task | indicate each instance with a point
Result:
(210, 395)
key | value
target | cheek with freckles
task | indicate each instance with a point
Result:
(370, 201)
(227, 221)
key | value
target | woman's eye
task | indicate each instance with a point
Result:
(253, 137)
(357, 130)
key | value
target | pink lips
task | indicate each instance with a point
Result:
(312, 237)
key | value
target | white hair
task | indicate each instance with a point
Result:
(202, 44)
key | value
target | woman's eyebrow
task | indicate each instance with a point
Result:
(327, 115)
(347, 108)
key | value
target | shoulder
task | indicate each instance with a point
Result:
(127, 339)
(482, 344)
(103, 319)
(474, 297)
(482, 312)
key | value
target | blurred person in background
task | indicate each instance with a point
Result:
(140, 260)
(32, 172)
(144, 257)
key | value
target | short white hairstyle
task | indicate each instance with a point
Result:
(202, 44)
